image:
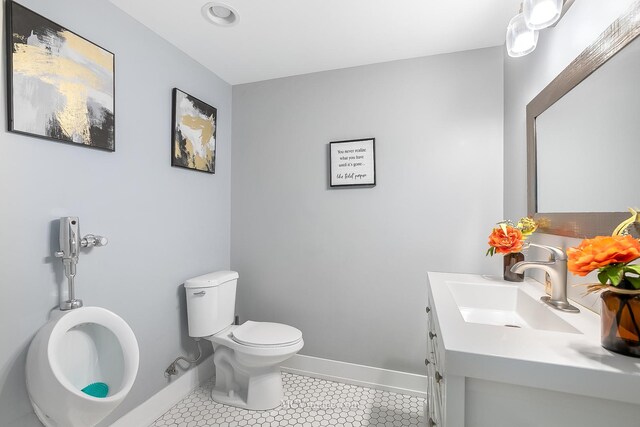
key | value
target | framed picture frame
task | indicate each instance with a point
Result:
(60, 86)
(193, 133)
(353, 163)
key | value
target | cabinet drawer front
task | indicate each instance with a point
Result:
(432, 338)
(435, 346)
(431, 353)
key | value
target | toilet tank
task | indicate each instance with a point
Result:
(211, 302)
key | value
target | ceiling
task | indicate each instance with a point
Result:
(279, 38)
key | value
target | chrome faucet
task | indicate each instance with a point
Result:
(556, 267)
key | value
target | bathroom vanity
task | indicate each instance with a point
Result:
(497, 356)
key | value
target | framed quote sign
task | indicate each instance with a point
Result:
(353, 163)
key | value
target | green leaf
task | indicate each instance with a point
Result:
(490, 251)
(602, 277)
(633, 268)
(615, 273)
(635, 281)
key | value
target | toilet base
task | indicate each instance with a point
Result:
(235, 400)
(252, 388)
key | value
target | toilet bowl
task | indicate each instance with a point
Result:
(74, 349)
(248, 368)
(247, 357)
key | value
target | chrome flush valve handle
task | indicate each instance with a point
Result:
(90, 240)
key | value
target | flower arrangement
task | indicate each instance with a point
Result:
(611, 256)
(508, 238)
(619, 279)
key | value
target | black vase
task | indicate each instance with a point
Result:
(509, 261)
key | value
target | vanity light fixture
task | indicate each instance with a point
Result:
(220, 14)
(534, 15)
(521, 40)
(540, 14)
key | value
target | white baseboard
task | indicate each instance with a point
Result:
(153, 408)
(350, 373)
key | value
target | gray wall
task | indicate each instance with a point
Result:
(348, 266)
(165, 224)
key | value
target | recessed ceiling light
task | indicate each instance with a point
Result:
(220, 14)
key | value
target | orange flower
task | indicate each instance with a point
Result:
(506, 239)
(601, 251)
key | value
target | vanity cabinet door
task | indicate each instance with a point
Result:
(430, 416)
(435, 374)
(433, 415)
(439, 393)
(432, 347)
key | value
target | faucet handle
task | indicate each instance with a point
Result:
(557, 254)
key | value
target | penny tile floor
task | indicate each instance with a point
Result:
(307, 402)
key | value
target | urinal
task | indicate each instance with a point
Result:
(74, 349)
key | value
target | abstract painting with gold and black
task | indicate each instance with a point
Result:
(194, 133)
(61, 85)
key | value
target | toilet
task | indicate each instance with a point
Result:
(247, 357)
(75, 349)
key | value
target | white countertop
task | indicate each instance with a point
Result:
(567, 362)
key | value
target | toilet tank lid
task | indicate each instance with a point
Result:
(211, 280)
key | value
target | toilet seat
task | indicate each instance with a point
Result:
(266, 334)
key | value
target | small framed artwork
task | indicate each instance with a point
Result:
(353, 163)
(193, 140)
(60, 86)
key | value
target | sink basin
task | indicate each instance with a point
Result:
(505, 305)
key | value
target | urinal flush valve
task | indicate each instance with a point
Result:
(70, 244)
